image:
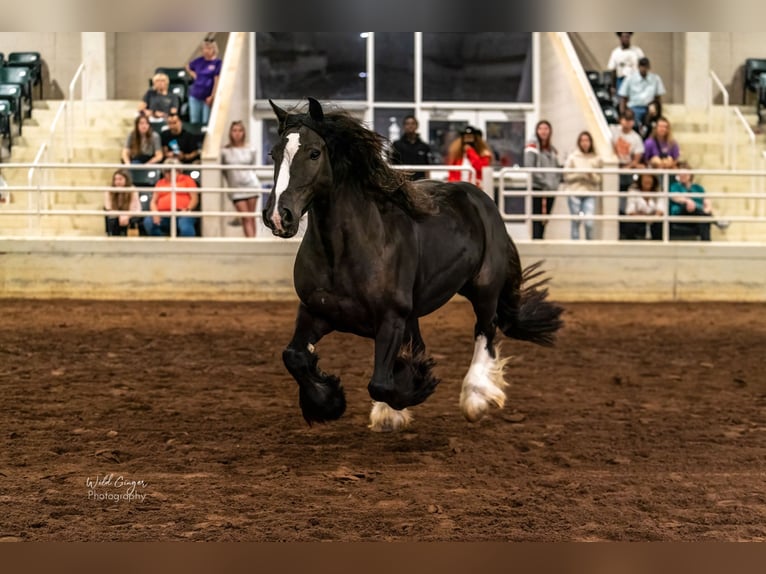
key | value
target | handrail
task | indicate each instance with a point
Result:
(715, 80)
(70, 110)
(753, 151)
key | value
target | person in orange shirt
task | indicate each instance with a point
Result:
(468, 149)
(185, 201)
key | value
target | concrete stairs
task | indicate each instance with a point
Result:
(98, 134)
(702, 137)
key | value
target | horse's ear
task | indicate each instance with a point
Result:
(281, 114)
(315, 110)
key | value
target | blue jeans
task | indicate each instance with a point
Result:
(640, 112)
(583, 209)
(184, 225)
(199, 111)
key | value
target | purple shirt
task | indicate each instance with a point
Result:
(653, 148)
(206, 71)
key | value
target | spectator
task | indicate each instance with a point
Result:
(539, 152)
(158, 103)
(628, 147)
(650, 120)
(245, 200)
(660, 149)
(468, 150)
(583, 207)
(624, 59)
(687, 198)
(205, 71)
(179, 144)
(640, 89)
(643, 199)
(123, 199)
(185, 201)
(410, 149)
(143, 144)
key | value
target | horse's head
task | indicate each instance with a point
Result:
(301, 168)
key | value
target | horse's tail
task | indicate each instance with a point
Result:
(523, 311)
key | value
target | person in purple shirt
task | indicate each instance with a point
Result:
(660, 149)
(205, 71)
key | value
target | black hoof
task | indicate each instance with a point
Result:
(322, 401)
(413, 382)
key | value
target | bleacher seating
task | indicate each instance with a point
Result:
(5, 123)
(33, 62)
(12, 93)
(754, 67)
(761, 103)
(601, 83)
(22, 76)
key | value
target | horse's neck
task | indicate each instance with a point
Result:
(343, 220)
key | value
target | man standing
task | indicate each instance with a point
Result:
(410, 149)
(641, 89)
(624, 59)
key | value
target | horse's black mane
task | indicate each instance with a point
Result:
(357, 157)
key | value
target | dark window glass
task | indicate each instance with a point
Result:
(477, 67)
(324, 65)
(388, 121)
(394, 66)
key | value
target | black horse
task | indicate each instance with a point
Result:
(379, 252)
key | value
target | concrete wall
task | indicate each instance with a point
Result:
(728, 52)
(61, 53)
(262, 269)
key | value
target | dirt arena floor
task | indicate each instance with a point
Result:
(177, 421)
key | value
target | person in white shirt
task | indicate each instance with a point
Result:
(624, 59)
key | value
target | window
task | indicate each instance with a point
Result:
(394, 66)
(324, 65)
(477, 67)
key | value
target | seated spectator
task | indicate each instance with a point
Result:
(158, 103)
(468, 150)
(641, 89)
(185, 201)
(687, 198)
(628, 147)
(124, 199)
(653, 114)
(179, 144)
(245, 198)
(643, 200)
(660, 149)
(143, 144)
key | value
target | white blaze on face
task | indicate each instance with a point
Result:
(483, 385)
(283, 180)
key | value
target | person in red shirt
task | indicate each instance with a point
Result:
(185, 201)
(469, 150)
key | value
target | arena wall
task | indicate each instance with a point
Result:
(261, 269)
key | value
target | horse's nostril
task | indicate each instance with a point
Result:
(286, 215)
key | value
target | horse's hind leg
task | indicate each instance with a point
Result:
(321, 395)
(413, 381)
(483, 385)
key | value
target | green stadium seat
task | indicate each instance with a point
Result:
(12, 93)
(21, 75)
(5, 122)
(30, 60)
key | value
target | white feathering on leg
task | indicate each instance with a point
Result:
(385, 419)
(484, 384)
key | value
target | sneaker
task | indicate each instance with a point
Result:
(722, 224)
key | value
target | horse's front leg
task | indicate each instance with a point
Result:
(402, 374)
(321, 395)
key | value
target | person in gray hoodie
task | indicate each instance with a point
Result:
(539, 152)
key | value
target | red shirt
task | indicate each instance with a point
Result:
(183, 198)
(476, 160)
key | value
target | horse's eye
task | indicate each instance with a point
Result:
(314, 154)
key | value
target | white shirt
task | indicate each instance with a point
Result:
(640, 90)
(625, 61)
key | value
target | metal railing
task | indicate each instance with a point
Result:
(715, 81)
(70, 110)
(510, 187)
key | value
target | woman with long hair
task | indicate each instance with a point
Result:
(660, 149)
(121, 197)
(583, 207)
(643, 199)
(143, 144)
(540, 152)
(469, 149)
(245, 198)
